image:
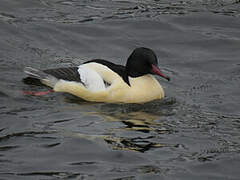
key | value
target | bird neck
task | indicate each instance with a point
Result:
(125, 77)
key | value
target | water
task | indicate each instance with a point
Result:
(192, 134)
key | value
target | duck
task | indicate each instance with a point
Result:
(99, 80)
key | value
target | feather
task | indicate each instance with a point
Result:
(91, 79)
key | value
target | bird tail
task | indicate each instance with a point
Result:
(45, 78)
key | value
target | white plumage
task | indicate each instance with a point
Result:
(91, 79)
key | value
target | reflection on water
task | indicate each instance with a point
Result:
(144, 118)
(123, 143)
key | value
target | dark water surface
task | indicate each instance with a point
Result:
(194, 133)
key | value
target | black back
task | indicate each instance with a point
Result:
(119, 69)
(68, 73)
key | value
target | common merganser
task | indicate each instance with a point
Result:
(103, 81)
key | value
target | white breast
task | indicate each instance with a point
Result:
(91, 79)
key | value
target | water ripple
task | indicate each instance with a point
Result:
(82, 12)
